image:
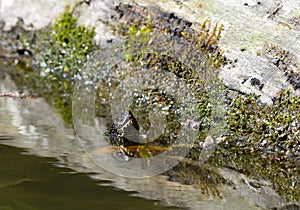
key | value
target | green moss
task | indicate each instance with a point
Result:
(137, 34)
(275, 127)
(65, 47)
(57, 55)
(207, 39)
(148, 47)
(264, 141)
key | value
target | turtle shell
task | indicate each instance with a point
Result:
(124, 133)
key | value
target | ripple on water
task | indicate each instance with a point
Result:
(4, 137)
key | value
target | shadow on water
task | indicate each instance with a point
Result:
(31, 182)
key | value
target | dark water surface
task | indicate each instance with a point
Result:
(31, 182)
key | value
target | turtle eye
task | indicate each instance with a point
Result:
(107, 133)
(119, 120)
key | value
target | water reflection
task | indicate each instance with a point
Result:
(35, 182)
(30, 182)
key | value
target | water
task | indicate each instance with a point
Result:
(31, 182)
(51, 171)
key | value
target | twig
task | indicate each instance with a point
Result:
(273, 13)
(16, 94)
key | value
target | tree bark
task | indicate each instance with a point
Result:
(261, 38)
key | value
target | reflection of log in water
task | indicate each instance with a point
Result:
(203, 177)
(137, 150)
(5, 137)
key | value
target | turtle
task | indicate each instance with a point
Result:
(124, 133)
